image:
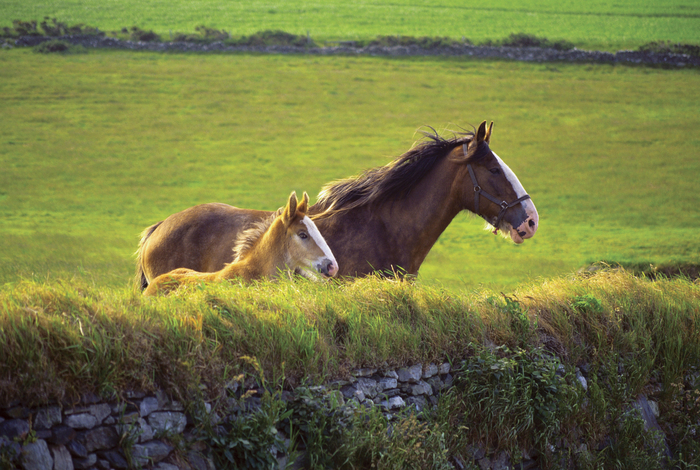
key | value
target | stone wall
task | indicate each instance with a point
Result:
(527, 54)
(104, 435)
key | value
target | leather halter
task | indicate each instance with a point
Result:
(478, 192)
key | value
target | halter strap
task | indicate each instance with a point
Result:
(478, 192)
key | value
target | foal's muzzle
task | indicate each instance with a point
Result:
(327, 267)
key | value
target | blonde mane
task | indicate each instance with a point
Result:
(247, 238)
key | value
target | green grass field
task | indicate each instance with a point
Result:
(95, 147)
(589, 25)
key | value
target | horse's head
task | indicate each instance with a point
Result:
(305, 246)
(490, 189)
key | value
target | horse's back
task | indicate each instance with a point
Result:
(200, 238)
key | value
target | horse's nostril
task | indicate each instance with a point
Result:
(522, 234)
(531, 223)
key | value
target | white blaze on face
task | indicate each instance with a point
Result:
(528, 205)
(321, 242)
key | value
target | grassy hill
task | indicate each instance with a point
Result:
(95, 147)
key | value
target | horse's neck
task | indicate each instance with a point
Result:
(422, 216)
(264, 259)
(397, 233)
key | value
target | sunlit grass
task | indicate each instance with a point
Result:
(61, 338)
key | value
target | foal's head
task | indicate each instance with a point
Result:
(492, 190)
(305, 249)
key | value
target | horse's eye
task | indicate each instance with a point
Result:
(495, 171)
(303, 235)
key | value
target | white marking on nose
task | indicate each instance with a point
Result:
(318, 238)
(528, 205)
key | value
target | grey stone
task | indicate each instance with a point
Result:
(348, 391)
(436, 383)
(36, 456)
(582, 380)
(391, 374)
(44, 434)
(420, 402)
(115, 458)
(420, 388)
(430, 370)
(81, 421)
(13, 428)
(410, 374)
(148, 406)
(62, 459)
(365, 372)
(477, 452)
(167, 421)
(77, 449)
(367, 386)
(48, 417)
(150, 452)
(444, 368)
(100, 412)
(359, 395)
(386, 383)
(447, 381)
(146, 431)
(393, 403)
(166, 466)
(654, 407)
(104, 437)
(484, 464)
(501, 461)
(61, 434)
(392, 392)
(103, 464)
(87, 462)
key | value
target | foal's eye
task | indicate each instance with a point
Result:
(303, 235)
(495, 171)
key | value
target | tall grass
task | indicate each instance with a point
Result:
(60, 339)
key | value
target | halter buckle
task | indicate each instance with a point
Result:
(504, 205)
(477, 189)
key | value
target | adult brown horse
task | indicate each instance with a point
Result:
(386, 219)
(286, 241)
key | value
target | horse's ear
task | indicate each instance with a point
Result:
(291, 209)
(481, 133)
(487, 137)
(303, 206)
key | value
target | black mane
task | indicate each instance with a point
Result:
(392, 181)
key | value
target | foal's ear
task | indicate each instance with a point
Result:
(291, 209)
(487, 137)
(303, 206)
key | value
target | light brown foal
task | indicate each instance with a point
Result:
(286, 241)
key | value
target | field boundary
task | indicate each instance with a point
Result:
(526, 54)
